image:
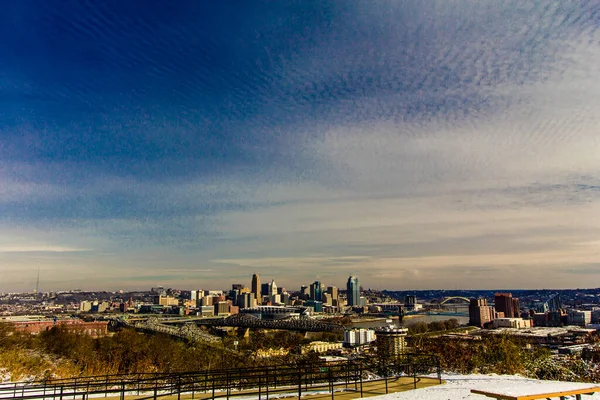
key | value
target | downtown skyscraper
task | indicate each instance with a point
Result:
(316, 291)
(353, 291)
(256, 289)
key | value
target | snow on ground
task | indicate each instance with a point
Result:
(458, 387)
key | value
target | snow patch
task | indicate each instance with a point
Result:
(458, 387)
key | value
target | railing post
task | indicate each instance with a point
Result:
(386, 382)
(213, 387)
(226, 384)
(414, 376)
(178, 387)
(267, 382)
(299, 384)
(360, 377)
(347, 373)
(330, 378)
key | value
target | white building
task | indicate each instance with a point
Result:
(358, 337)
(196, 295)
(85, 306)
(321, 347)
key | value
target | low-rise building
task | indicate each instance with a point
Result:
(72, 325)
(579, 317)
(321, 347)
(518, 323)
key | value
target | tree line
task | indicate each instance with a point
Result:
(60, 353)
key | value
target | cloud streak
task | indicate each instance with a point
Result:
(414, 145)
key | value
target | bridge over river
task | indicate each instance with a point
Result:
(190, 328)
(303, 324)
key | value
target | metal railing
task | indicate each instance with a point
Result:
(294, 380)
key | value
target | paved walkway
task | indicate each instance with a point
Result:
(370, 388)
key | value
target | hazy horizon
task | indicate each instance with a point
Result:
(417, 145)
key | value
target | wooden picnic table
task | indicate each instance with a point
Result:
(560, 394)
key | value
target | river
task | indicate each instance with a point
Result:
(463, 319)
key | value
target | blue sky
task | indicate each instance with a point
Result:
(450, 144)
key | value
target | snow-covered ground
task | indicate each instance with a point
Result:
(458, 387)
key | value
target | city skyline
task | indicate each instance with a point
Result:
(416, 146)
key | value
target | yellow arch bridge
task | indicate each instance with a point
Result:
(453, 298)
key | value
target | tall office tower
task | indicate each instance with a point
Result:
(479, 312)
(272, 288)
(503, 302)
(264, 289)
(236, 286)
(353, 291)
(304, 292)
(246, 300)
(333, 291)
(316, 291)
(256, 288)
(516, 307)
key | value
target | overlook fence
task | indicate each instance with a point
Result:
(296, 380)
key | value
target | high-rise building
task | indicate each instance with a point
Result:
(304, 292)
(353, 291)
(516, 308)
(246, 300)
(272, 288)
(358, 337)
(316, 291)
(221, 307)
(256, 289)
(264, 289)
(390, 342)
(479, 312)
(333, 291)
(504, 303)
